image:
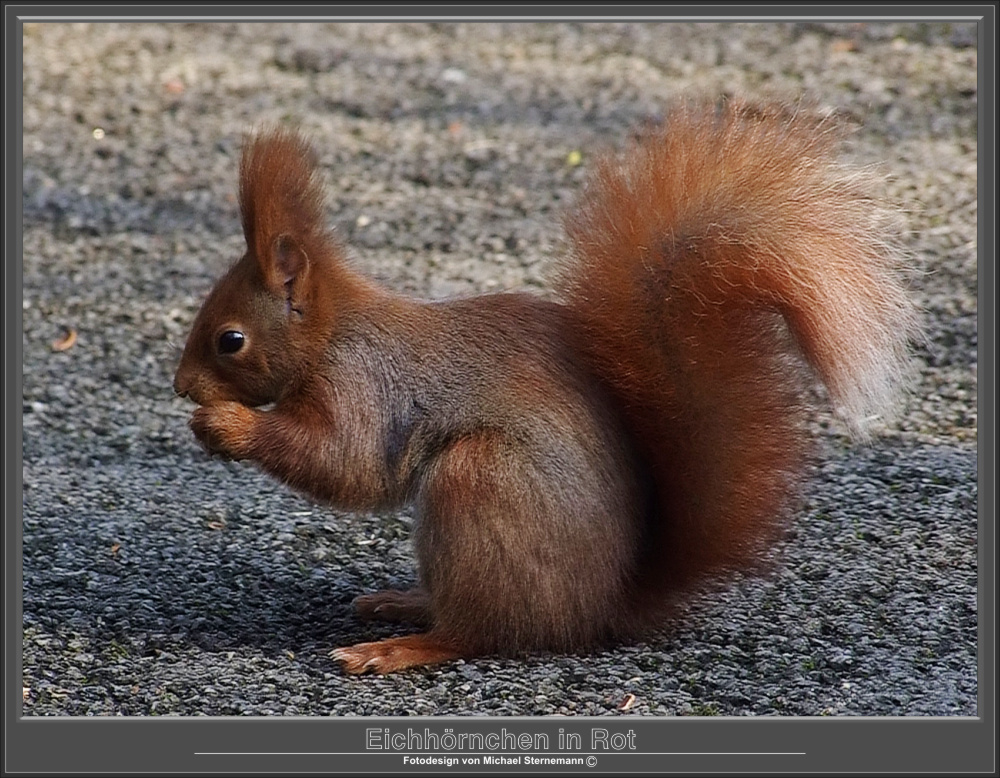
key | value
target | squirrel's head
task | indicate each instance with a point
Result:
(265, 322)
(246, 343)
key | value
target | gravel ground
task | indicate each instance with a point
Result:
(157, 581)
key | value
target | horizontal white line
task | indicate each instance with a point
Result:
(386, 752)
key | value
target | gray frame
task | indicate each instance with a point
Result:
(676, 745)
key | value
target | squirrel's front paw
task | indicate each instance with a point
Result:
(224, 428)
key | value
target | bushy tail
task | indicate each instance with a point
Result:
(713, 266)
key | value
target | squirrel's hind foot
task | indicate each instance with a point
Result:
(394, 654)
(411, 606)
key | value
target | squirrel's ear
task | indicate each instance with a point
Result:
(287, 271)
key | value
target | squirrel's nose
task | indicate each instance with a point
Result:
(181, 387)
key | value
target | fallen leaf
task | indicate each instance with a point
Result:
(628, 702)
(66, 341)
(115, 547)
(217, 525)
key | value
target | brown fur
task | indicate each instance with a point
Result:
(713, 235)
(575, 467)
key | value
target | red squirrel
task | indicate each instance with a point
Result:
(575, 465)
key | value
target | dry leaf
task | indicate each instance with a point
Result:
(843, 44)
(65, 342)
(217, 525)
(628, 702)
(115, 547)
(25, 693)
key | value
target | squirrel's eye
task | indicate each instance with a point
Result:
(231, 341)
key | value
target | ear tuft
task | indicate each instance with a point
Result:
(281, 196)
